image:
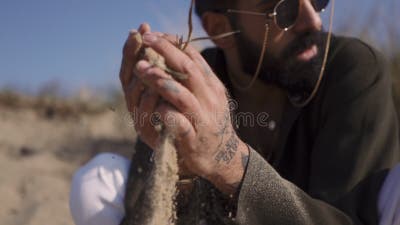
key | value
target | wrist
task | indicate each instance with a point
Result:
(228, 176)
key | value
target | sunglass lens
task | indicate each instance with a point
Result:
(287, 13)
(320, 5)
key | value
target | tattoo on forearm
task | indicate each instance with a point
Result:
(229, 150)
(170, 86)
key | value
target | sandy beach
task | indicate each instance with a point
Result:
(42, 143)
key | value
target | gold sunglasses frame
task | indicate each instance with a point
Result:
(269, 16)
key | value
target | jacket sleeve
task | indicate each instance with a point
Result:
(267, 198)
(356, 142)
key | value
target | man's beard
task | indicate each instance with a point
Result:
(298, 78)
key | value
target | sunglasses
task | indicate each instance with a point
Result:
(285, 12)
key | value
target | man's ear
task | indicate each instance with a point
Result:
(216, 24)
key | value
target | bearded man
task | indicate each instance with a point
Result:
(321, 155)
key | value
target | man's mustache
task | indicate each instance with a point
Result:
(304, 42)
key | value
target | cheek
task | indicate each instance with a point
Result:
(278, 41)
(252, 27)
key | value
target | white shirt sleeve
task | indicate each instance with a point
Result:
(389, 199)
(98, 190)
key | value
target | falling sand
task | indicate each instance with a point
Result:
(160, 208)
(163, 187)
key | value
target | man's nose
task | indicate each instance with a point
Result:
(308, 20)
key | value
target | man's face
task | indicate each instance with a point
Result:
(293, 58)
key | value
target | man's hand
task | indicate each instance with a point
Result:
(194, 110)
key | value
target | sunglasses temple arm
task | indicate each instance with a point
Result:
(245, 12)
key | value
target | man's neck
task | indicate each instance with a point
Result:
(259, 94)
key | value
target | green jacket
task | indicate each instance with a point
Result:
(331, 158)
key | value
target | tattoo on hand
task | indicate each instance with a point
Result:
(170, 86)
(222, 130)
(206, 69)
(229, 151)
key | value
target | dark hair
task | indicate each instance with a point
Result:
(203, 6)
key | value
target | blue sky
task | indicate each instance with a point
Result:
(77, 43)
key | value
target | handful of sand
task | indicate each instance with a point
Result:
(160, 208)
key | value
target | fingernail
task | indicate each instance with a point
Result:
(133, 31)
(149, 38)
(142, 65)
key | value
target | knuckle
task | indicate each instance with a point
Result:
(159, 83)
(214, 103)
(190, 51)
(189, 66)
(220, 88)
(161, 44)
(154, 73)
(184, 105)
(169, 38)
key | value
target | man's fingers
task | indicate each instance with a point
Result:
(176, 123)
(177, 61)
(130, 52)
(148, 101)
(129, 57)
(169, 89)
(182, 130)
(133, 93)
(144, 123)
(210, 78)
(144, 28)
(196, 56)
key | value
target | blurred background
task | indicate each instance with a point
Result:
(60, 99)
